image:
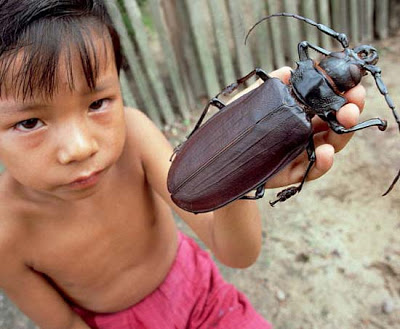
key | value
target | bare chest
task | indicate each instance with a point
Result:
(97, 253)
(80, 251)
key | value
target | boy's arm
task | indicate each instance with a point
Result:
(35, 297)
(235, 239)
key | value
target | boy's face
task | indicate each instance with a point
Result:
(64, 146)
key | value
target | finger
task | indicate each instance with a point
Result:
(324, 161)
(283, 74)
(347, 116)
(356, 95)
(319, 125)
(295, 171)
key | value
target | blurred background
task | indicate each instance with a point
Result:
(331, 257)
(181, 53)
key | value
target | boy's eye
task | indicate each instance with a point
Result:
(29, 125)
(99, 104)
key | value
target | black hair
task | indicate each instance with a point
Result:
(34, 34)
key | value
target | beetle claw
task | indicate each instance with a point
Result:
(384, 126)
(229, 89)
(284, 195)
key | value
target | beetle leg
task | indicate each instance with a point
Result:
(292, 190)
(339, 129)
(227, 90)
(215, 102)
(376, 73)
(302, 49)
(233, 86)
(311, 158)
(258, 195)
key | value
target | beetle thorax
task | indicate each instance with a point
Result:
(343, 72)
(314, 89)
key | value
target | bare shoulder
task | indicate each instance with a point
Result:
(13, 228)
(138, 122)
(12, 239)
(23, 285)
(142, 131)
(152, 147)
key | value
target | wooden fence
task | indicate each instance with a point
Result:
(181, 52)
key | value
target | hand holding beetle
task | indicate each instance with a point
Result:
(327, 142)
(280, 133)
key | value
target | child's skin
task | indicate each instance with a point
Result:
(105, 240)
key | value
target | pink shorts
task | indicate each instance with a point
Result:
(193, 295)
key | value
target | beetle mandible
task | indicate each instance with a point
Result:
(251, 139)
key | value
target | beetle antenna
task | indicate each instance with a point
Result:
(393, 184)
(376, 73)
(341, 37)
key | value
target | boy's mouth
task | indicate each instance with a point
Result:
(86, 181)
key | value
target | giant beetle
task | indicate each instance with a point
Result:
(251, 139)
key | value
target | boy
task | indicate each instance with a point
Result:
(87, 238)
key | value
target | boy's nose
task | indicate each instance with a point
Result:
(77, 144)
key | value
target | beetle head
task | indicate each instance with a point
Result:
(367, 54)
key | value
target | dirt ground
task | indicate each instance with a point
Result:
(331, 255)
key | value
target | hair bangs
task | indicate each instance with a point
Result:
(32, 67)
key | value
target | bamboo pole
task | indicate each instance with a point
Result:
(382, 19)
(170, 58)
(394, 14)
(203, 46)
(335, 14)
(324, 18)
(276, 34)
(188, 60)
(262, 38)
(243, 53)
(367, 14)
(150, 65)
(345, 28)
(131, 57)
(340, 16)
(308, 9)
(129, 99)
(219, 17)
(292, 26)
(355, 22)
